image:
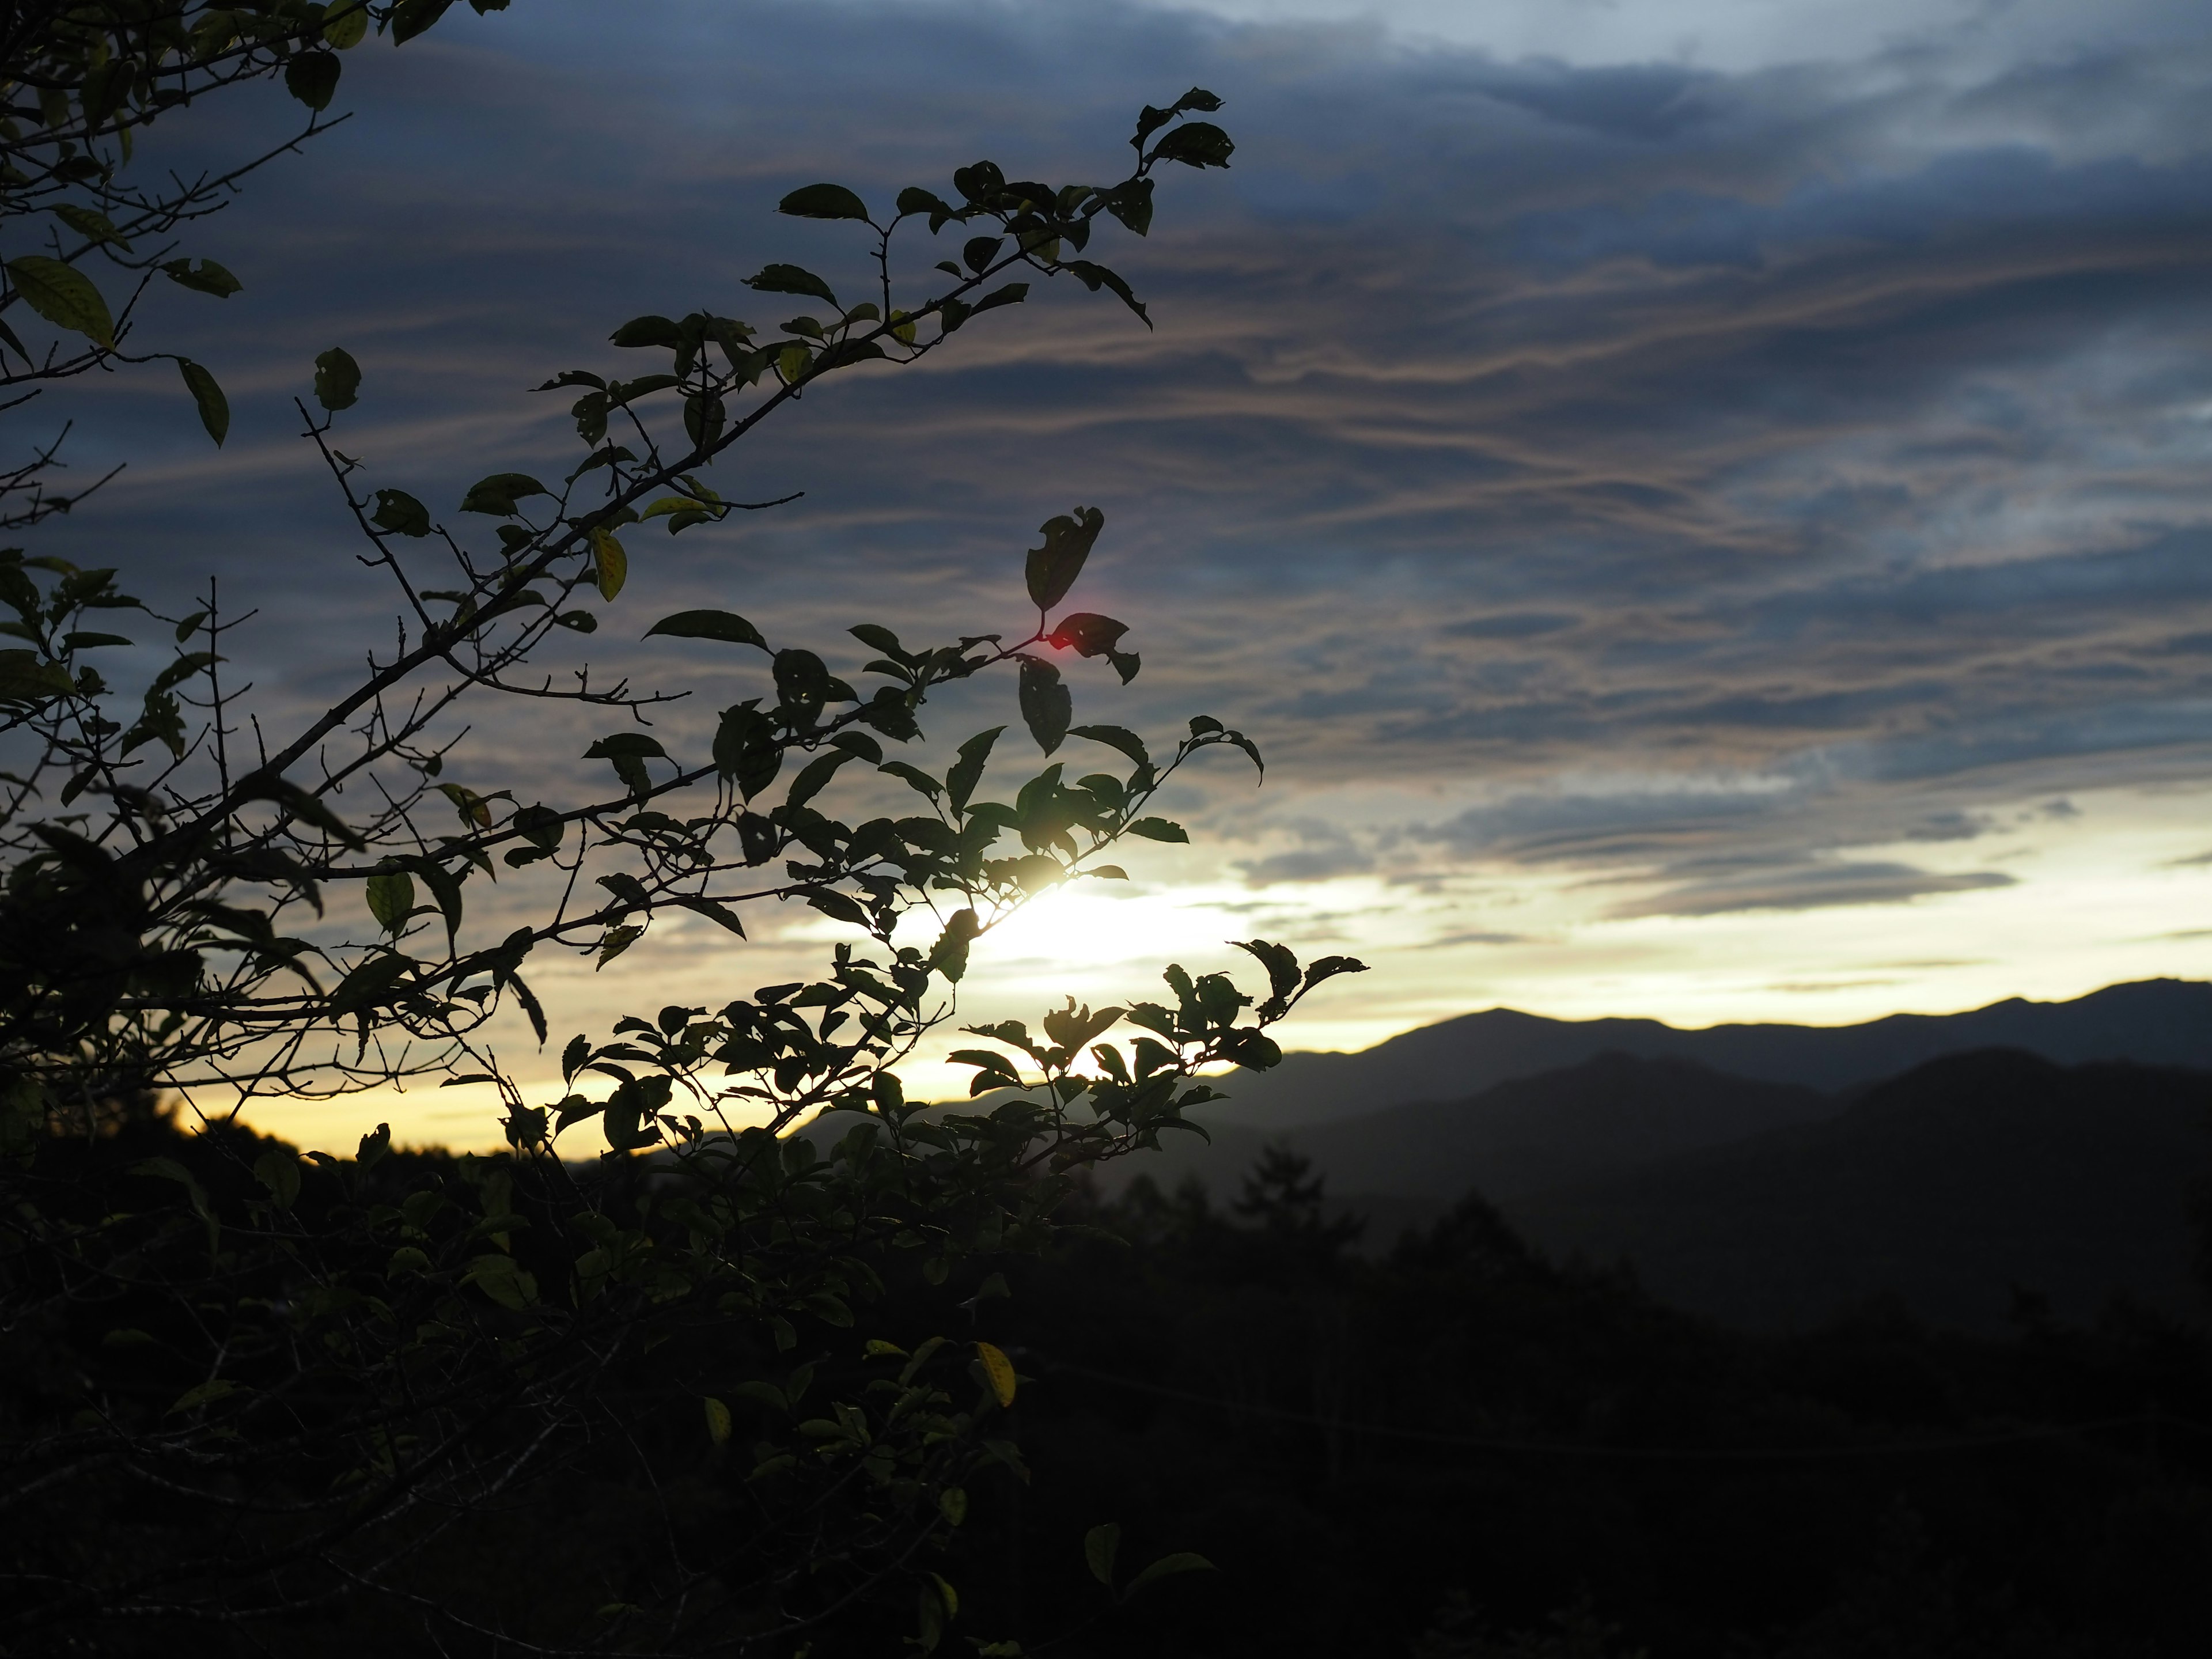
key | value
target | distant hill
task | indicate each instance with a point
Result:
(1946, 1186)
(1606, 1115)
(2161, 1022)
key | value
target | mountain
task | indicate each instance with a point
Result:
(1582, 1123)
(1946, 1186)
(2161, 1022)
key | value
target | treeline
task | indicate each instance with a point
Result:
(1449, 1449)
(1459, 1448)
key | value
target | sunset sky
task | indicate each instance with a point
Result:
(1704, 503)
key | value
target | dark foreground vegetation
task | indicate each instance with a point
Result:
(1451, 1447)
(1460, 1449)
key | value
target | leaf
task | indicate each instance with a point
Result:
(967, 771)
(648, 331)
(1051, 570)
(286, 794)
(392, 899)
(1328, 968)
(948, 956)
(723, 625)
(838, 907)
(1115, 736)
(1159, 829)
(1255, 1051)
(475, 810)
(1196, 145)
(500, 1278)
(345, 23)
(1046, 705)
(1281, 963)
(627, 751)
(815, 777)
(823, 201)
(401, 514)
(64, 296)
(1100, 1546)
(531, 1009)
(445, 888)
(1001, 1371)
(25, 678)
(207, 277)
(1166, 1567)
(213, 407)
(86, 223)
(215, 1389)
(313, 78)
(497, 494)
(915, 778)
(718, 1422)
(746, 750)
(714, 911)
(792, 279)
(952, 1504)
(410, 17)
(610, 565)
(337, 382)
(279, 1171)
(1132, 205)
(1090, 634)
(368, 983)
(1096, 277)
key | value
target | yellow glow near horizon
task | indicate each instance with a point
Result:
(2112, 893)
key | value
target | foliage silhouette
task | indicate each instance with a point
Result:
(1460, 1447)
(309, 1403)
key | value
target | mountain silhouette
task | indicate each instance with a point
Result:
(2161, 1022)
(1947, 1188)
(1582, 1123)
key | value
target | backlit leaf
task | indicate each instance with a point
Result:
(64, 296)
(390, 899)
(1166, 1567)
(609, 564)
(1001, 1371)
(1100, 1546)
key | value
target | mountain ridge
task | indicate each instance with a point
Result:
(1948, 1186)
(2160, 1022)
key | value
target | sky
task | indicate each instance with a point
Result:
(1703, 505)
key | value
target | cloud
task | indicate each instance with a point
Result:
(1626, 467)
(1809, 887)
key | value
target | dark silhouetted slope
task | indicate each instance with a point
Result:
(1947, 1187)
(1582, 1123)
(2154, 1021)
